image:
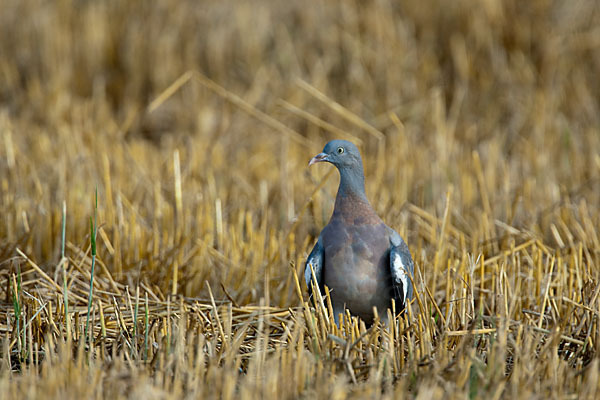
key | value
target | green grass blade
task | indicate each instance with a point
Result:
(93, 227)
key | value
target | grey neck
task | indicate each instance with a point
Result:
(352, 184)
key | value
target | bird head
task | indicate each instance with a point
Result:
(341, 153)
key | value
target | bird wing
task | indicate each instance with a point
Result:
(401, 266)
(315, 258)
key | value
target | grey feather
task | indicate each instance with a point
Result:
(315, 258)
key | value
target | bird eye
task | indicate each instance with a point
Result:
(340, 150)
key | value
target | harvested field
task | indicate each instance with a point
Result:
(157, 153)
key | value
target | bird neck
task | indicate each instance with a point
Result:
(352, 185)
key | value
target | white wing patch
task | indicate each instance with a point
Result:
(308, 274)
(315, 259)
(399, 274)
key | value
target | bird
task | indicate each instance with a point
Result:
(364, 263)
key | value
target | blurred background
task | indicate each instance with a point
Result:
(195, 121)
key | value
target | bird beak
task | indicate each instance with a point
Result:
(318, 158)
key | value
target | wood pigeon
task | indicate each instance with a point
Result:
(363, 262)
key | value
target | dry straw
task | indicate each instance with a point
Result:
(478, 123)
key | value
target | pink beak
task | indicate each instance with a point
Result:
(318, 158)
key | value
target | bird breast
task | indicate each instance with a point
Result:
(356, 266)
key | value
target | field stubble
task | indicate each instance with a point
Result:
(479, 125)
